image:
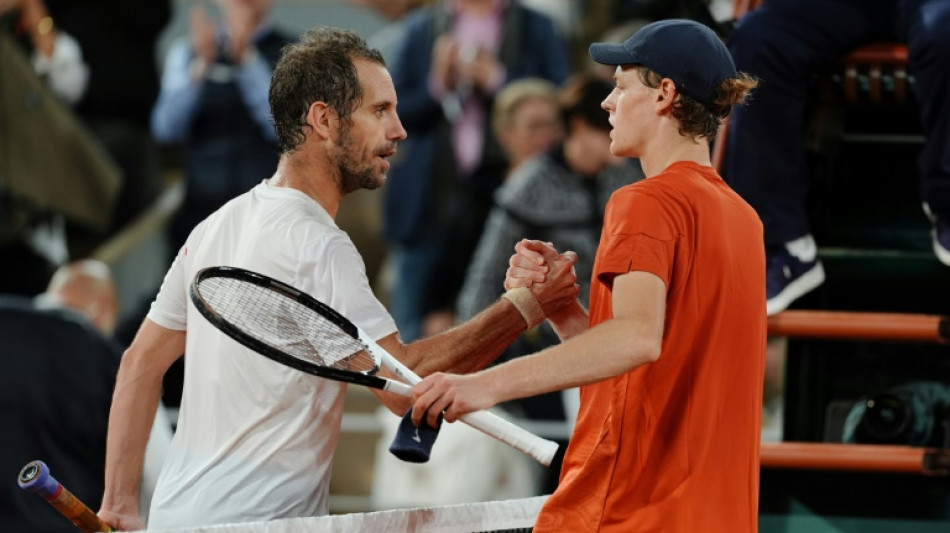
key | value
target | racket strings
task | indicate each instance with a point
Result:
(278, 320)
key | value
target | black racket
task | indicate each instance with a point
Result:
(294, 329)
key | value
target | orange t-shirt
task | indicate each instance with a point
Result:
(673, 446)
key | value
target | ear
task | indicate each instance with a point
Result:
(321, 119)
(665, 94)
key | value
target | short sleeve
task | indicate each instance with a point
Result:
(342, 284)
(170, 308)
(636, 253)
(640, 233)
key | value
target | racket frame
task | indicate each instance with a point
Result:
(302, 298)
(540, 449)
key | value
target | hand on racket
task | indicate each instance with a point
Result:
(35, 477)
(294, 329)
(452, 395)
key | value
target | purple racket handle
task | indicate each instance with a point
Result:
(35, 477)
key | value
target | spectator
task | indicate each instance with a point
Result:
(118, 39)
(388, 38)
(390, 9)
(213, 103)
(442, 184)
(60, 368)
(783, 42)
(33, 235)
(526, 120)
(55, 55)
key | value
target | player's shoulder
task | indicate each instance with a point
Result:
(683, 181)
(659, 197)
(314, 237)
(291, 212)
(645, 190)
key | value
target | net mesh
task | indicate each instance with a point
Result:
(282, 322)
(507, 516)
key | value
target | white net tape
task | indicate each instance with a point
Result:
(506, 515)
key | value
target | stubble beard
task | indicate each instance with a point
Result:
(353, 174)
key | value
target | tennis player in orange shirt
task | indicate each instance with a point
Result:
(670, 358)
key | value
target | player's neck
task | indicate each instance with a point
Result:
(304, 174)
(673, 150)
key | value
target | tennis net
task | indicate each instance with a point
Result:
(505, 516)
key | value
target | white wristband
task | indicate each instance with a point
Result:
(526, 304)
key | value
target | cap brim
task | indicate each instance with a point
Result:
(610, 54)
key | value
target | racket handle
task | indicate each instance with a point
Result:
(35, 477)
(541, 450)
(398, 388)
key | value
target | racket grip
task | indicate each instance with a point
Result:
(35, 477)
(398, 388)
(542, 450)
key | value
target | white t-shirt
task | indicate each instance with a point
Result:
(255, 438)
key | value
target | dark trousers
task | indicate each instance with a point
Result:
(781, 43)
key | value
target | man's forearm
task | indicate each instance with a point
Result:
(610, 349)
(134, 404)
(571, 322)
(137, 391)
(470, 346)
(476, 343)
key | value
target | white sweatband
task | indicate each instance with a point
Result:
(526, 304)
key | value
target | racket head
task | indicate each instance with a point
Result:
(282, 323)
(538, 448)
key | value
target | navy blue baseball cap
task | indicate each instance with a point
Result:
(685, 51)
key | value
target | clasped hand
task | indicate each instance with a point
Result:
(551, 278)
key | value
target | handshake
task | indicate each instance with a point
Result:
(540, 283)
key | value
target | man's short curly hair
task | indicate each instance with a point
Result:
(700, 120)
(317, 68)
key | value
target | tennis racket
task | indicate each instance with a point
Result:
(35, 477)
(294, 329)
